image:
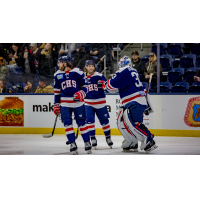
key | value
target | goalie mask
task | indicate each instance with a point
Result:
(124, 61)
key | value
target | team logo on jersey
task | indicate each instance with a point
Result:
(105, 115)
(80, 115)
(192, 114)
(142, 93)
(59, 76)
(67, 75)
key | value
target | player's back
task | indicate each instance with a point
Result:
(128, 82)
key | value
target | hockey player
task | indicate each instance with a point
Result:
(95, 103)
(70, 88)
(134, 103)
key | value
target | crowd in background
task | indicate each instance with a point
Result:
(29, 67)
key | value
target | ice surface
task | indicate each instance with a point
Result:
(37, 145)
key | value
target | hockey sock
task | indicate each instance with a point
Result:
(91, 129)
(85, 133)
(106, 129)
(70, 133)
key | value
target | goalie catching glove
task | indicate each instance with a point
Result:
(79, 96)
(56, 109)
(101, 84)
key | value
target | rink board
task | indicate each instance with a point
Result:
(174, 115)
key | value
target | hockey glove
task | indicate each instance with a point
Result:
(148, 111)
(79, 96)
(56, 109)
(101, 84)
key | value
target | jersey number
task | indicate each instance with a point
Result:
(68, 83)
(137, 83)
(92, 87)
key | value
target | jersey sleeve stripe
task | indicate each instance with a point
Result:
(56, 91)
(109, 85)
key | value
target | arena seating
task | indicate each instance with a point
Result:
(176, 49)
(163, 48)
(188, 61)
(189, 75)
(195, 48)
(180, 87)
(165, 87)
(145, 59)
(175, 75)
(166, 62)
(195, 87)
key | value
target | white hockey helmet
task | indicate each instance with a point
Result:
(124, 61)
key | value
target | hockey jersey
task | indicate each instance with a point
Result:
(66, 84)
(95, 96)
(127, 81)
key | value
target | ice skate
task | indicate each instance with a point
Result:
(73, 148)
(133, 148)
(151, 146)
(88, 147)
(94, 142)
(109, 142)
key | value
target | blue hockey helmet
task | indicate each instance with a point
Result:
(124, 61)
(89, 62)
(64, 59)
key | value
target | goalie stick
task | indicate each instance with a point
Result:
(147, 111)
(149, 83)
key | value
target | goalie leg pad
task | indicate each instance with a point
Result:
(129, 137)
(138, 130)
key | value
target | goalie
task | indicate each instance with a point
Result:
(134, 104)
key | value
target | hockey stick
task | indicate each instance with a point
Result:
(147, 112)
(48, 135)
(149, 84)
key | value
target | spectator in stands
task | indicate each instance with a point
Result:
(4, 71)
(16, 89)
(15, 59)
(151, 67)
(137, 62)
(47, 61)
(43, 87)
(81, 57)
(27, 69)
(30, 87)
(75, 47)
(98, 50)
(197, 77)
(32, 58)
(3, 88)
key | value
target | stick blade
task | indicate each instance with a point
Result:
(48, 135)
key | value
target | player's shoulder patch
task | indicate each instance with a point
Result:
(58, 72)
(77, 70)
